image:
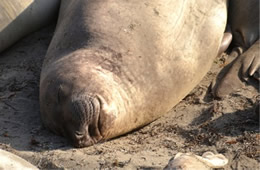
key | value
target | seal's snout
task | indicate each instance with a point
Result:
(84, 116)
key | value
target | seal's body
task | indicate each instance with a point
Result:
(21, 17)
(11, 161)
(114, 66)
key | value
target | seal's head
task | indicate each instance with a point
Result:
(72, 103)
(71, 112)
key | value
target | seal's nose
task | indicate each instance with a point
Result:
(85, 112)
(82, 139)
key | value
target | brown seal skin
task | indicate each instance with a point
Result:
(243, 18)
(114, 66)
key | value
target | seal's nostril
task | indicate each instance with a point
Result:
(79, 135)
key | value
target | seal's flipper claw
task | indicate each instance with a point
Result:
(251, 61)
(226, 40)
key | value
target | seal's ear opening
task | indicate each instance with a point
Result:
(63, 93)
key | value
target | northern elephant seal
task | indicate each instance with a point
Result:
(21, 17)
(243, 19)
(9, 161)
(114, 66)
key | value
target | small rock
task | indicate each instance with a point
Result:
(190, 161)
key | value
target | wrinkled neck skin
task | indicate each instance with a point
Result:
(124, 58)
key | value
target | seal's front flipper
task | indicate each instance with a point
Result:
(251, 62)
(230, 80)
(243, 68)
(243, 19)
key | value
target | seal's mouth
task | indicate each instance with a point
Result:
(83, 126)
